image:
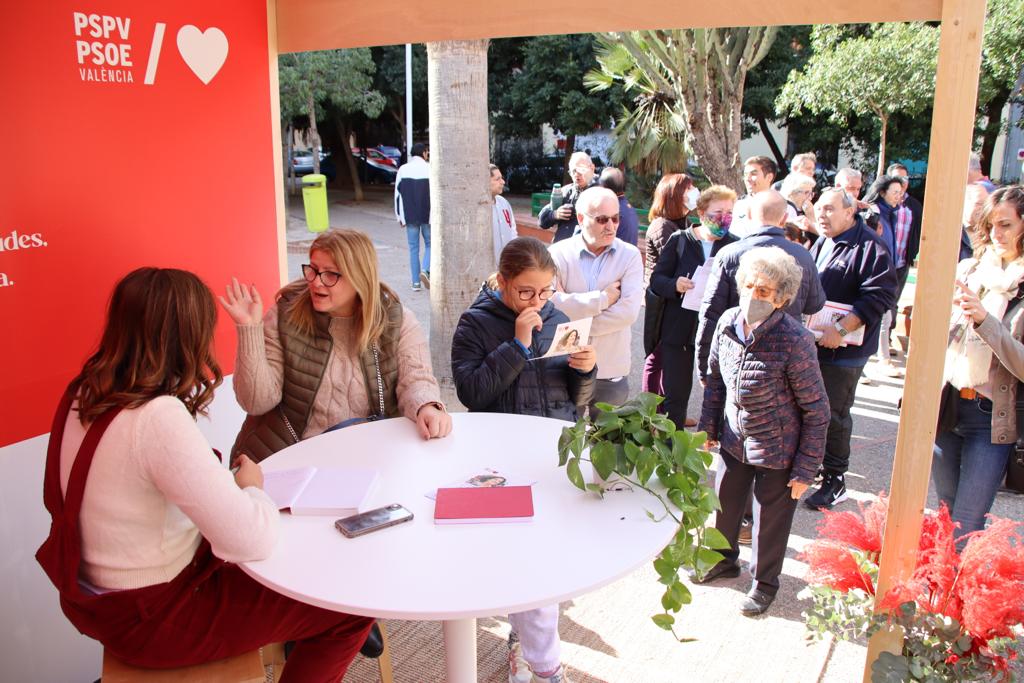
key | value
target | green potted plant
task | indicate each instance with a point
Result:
(634, 444)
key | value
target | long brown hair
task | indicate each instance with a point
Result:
(982, 232)
(158, 341)
(522, 254)
(670, 197)
(354, 254)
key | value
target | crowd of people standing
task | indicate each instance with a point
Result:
(337, 347)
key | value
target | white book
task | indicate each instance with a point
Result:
(320, 491)
(831, 313)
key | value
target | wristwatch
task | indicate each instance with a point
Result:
(841, 330)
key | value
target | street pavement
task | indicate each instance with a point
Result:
(775, 640)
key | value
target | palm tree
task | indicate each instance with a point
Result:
(462, 246)
(690, 84)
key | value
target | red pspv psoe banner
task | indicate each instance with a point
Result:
(135, 134)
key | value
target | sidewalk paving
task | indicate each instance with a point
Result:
(607, 634)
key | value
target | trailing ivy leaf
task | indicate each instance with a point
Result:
(608, 420)
(564, 442)
(645, 466)
(596, 488)
(632, 451)
(664, 621)
(665, 569)
(713, 538)
(707, 558)
(622, 463)
(602, 457)
(649, 402)
(575, 476)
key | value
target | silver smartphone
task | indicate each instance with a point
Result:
(372, 520)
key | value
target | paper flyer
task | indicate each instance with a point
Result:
(569, 338)
(693, 297)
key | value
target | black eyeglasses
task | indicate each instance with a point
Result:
(603, 220)
(328, 277)
(527, 294)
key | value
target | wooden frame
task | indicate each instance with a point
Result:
(303, 25)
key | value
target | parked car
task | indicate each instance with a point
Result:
(376, 164)
(302, 164)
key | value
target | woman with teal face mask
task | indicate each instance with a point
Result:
(671, 279)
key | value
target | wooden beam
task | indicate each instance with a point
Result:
(328, 24)
(956, 91)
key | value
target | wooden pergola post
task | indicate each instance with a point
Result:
(956, 94)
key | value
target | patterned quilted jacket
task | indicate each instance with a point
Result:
(765, 400)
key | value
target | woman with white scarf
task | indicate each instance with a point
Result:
(984, 365)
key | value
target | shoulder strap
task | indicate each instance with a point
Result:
(53, 499)
(83, 461)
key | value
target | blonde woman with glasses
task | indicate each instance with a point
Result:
(336, 348)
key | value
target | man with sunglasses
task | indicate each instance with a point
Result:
(601, 277)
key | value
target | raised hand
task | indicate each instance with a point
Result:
(527, 321)
(242, 303)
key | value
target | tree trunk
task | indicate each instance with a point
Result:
(780, 158)
(289, 167)
(462, 247)
(993, 124)
(315, 136)
(570, 147)
(357, 185)
(881, 146)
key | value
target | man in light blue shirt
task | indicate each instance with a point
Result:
(601, 277)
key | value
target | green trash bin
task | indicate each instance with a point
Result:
(314, 197)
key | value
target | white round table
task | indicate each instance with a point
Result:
(576, 542)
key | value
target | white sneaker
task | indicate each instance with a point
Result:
(518, 670)
(560, 676)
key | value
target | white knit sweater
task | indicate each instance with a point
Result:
(154, 489)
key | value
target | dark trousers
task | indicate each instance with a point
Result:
(901, 282)
(841, 388)
(677, 380)
(774, 508)
(607, 391)
(229, 614)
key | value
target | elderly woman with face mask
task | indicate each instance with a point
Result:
(765, 406)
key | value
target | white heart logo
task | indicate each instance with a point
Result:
(204, 52)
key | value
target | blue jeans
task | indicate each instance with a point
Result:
(967, 467)
(412, 233)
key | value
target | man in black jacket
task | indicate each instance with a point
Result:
(581, 168)
(768, 209)
(855, 269)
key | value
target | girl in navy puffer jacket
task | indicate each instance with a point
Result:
(497, 368)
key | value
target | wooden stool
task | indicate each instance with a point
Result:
(245, 668)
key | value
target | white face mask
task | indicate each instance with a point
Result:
(692, 195)
(755, 310)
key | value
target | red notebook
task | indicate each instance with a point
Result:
(481, 505)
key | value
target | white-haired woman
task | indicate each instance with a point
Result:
(771, 426)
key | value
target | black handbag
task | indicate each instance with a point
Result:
(1015, 467)
(654, 308)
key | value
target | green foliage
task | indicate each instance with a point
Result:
(687, 88)
(540, 80)
(1003, 48)
(891, 70)
(632, 443)
(389, 81)
(862, 71)
(341, 78)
